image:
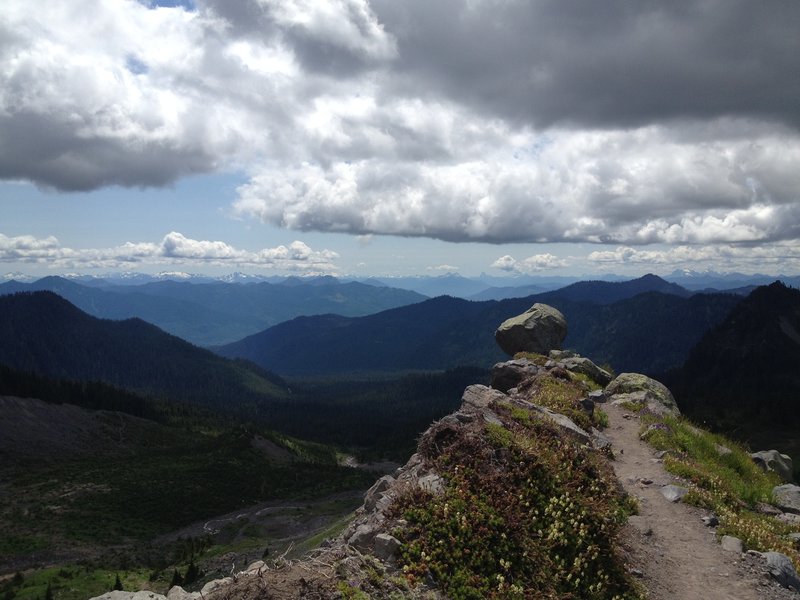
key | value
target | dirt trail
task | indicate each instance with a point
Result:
(677, 554)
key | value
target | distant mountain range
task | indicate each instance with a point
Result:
(218, 312)
(616, 323)
(42, 333)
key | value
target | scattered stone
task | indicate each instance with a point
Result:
(767, 509)
(254, 567)
(566, 424)
(598, 396)
(722, 450)
(637, 573)
(214, 585)
(660, 454)
(507, 375)
(645, 481)
(795, 537)
(120, 595)
(477, 399)
(176, 592)
(432, 483)
(561, 354)
(587, 405)
(772, 460)
(599, 440)
(660, 400)
(387, 547)
(586, 367)
(732, 544)
(787, 497)
(539, 329)
(710, 521)
(362, 538)
(376, 492)
(781, 568)
(673, 493)
(788, 518)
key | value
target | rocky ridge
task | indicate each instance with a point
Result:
(559, 397)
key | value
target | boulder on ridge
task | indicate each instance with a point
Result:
(539, 329)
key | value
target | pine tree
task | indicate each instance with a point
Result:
(176, 579)
(117, 584)
(48, 595)
(192, 574)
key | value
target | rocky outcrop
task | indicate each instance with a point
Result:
(539, 329)
(787, 497)
(507, 375)
(774, 461)
(639, 389)
(579, 364)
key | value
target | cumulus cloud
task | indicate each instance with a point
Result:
(638, 187)
(781, 257)
(532, 264)
(173, 249)
(627, 123)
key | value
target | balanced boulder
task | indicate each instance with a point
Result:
(539, 329)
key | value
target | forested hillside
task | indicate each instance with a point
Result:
(646, 333)
(42, 333)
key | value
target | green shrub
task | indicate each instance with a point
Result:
(524, 514)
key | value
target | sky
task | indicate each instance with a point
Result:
(386, 137)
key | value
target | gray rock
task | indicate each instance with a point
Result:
(561, 354)
(256, 566)
(598, 396)
(586, 367)
(215, 585)
(375, 494)
(599, 440)
(587, 405)
(732, 544)
(722, 450)
(432, 483)
(387, 547)
(787, 497)
(362, 538)
(477, 400)
(509, 374)
(178, 593)
(566, 424)
(767, 509)
(659, 399)
(772, 460)
(710, 521)
(673, 493)
(782, 569)
(788, 518)
(120, 595)
(539, 329)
